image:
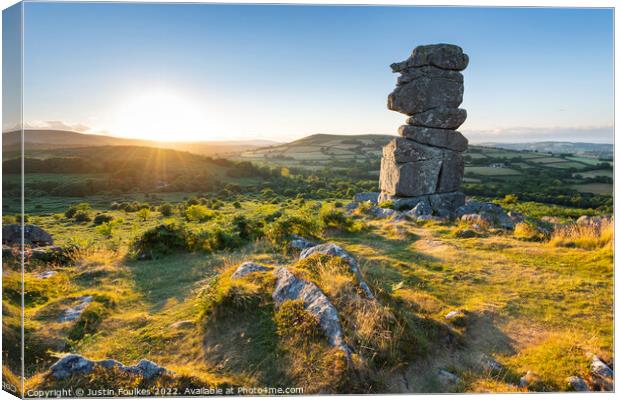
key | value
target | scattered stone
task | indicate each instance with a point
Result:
(481, 220)
(186, 324)
(440, 117)
(492, 213)
(420, 209)
(351, 206)
(490, 364)
(593, 221)
(529, 379)
(435, 218)
(72, 364)
(337, 251)
(366, 196)
(578, 384)
(602, 375)
(33, 235)
(444, 138)
(447, 378)
(456, 317)
(247, 268)
(290, 287)
(73, 313)
(383, 213)
(300, 243)
(516, 217)
(46, 274)
(466, 234)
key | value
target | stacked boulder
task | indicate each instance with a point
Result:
(426, 164)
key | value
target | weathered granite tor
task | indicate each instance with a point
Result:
(425, 165)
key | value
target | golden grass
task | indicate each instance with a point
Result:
(584, 236)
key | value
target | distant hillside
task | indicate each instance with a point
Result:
(319, 150)
(586, 149)
(55, 139)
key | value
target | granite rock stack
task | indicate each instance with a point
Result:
(425, 164)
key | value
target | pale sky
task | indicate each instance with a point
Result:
(222, 72)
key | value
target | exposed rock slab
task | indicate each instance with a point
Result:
(441, 55)
(423, 94)
(290, 287)
(332, 249)
(440, 117)
(444, 138)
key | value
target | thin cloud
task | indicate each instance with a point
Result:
(594, 134)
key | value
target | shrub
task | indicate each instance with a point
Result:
(166, 209)
(279, 231)
(237, 205)
(143, 214)
(198, 213)
(82, 216)
(107, 228)
(162, 239)
(102, 218)
(528, 230)
(510, 199)
(70, 213)
(330, 217)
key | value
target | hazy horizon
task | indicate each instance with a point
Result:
(200, 72)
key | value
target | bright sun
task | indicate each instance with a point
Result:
(160, 115)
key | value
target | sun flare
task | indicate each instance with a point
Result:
(160, 115)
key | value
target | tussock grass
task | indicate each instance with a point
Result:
(559, 356)
(584, 236)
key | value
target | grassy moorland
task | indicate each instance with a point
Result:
(156, 263)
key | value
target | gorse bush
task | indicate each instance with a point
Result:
(81, 216)
(70, 213)
(166, 209)
(101, 218)
(280, 230)
(162, 239)
(106, 229)
(143, 214)
(198, 213)
(331, 217)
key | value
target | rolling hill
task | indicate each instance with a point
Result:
(55, 139)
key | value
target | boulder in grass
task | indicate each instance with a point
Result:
(577, 383)
(290, 287)
(601, 374)
(75, 364)
(332, 249)
(247, 268)
(33, 235)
